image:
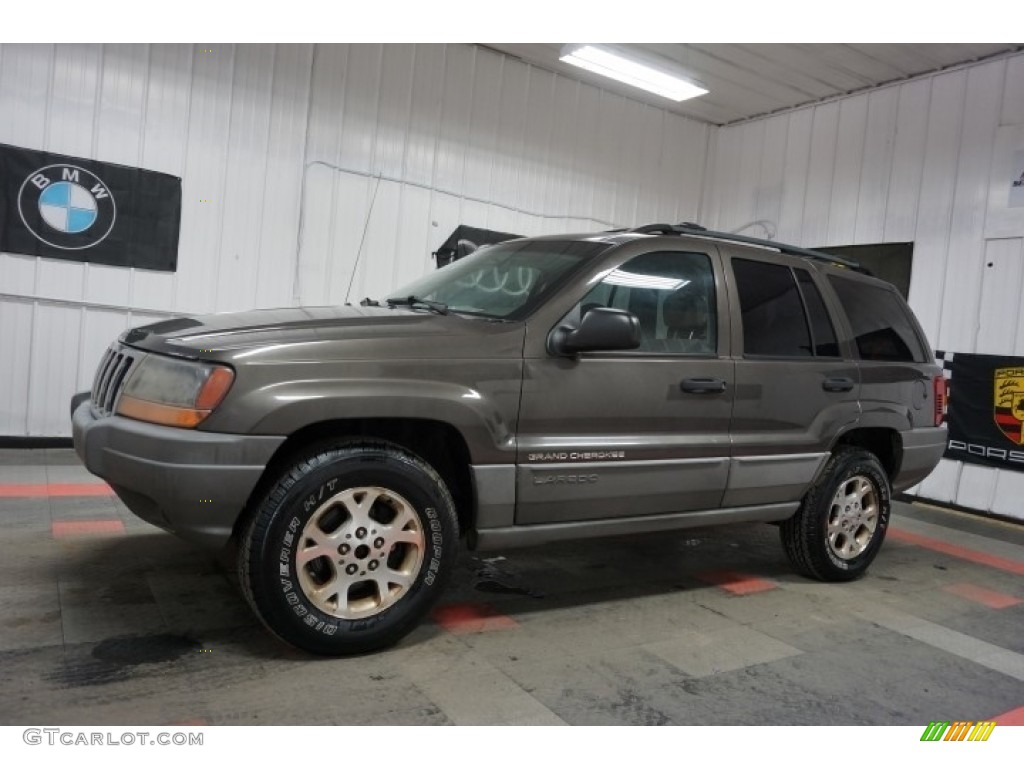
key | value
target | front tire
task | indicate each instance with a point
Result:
(841, 523)
(350, 548)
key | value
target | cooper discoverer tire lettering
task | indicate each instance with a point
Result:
(840, 525)
(350, 548)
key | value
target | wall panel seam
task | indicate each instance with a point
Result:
(260, 250)
(222, 192)
(952, 208)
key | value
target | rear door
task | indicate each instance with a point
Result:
(796, 386)
(621, 434)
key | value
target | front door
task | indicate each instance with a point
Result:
(643, 432)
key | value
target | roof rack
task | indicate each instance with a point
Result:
(688, 228)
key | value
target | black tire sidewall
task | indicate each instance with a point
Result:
(276, 537)
(846, 467)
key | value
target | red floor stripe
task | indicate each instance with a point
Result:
(11, 491)
(471, 618)
(736, 583)
(973, 555)
(63, 529)
(1013, 717)
(80, 489)
(988, 597)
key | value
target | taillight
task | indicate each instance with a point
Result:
(939, 385)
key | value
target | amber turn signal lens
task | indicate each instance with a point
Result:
(216, 386)
(158, 413)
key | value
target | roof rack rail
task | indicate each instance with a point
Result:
(688, 228)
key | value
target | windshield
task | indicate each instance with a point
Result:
(501, 281)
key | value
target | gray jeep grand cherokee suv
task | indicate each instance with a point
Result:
(540, 389)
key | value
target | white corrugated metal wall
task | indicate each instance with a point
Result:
(909, 162)
(297, 159)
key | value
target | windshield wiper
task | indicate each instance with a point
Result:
(414, 301)
(368, 302)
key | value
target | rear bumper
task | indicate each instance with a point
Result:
(922, 449)
(193, 484)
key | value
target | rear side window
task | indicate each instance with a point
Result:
(774, 323)
(881, 322)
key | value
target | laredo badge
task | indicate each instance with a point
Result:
(66, 207)
(1009, 402)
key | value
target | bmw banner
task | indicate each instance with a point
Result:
(83, 210)
(986, 409)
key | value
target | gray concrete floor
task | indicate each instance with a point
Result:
(107, 620)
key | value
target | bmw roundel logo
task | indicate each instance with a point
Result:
(66, 206)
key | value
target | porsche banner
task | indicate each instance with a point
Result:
(986, 409)
(84, 210)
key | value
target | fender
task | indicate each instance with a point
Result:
(485, 415)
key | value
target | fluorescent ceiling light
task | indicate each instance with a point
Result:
(657, 80)
(633, 280)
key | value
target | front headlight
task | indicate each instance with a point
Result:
(178, 393)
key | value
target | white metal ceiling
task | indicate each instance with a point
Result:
(748, 80)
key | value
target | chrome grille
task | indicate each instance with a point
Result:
(110, 378)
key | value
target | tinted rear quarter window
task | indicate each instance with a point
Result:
(881, 322)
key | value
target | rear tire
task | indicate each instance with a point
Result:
(350, 548)
(841, 523)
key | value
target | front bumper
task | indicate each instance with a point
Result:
(191, 483)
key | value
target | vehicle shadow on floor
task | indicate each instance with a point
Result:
(194, 594)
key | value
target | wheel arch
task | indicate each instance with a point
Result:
(438, 443)
(884, 442)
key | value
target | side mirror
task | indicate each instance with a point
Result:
(602, 329)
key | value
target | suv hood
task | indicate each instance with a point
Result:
(332, 332)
